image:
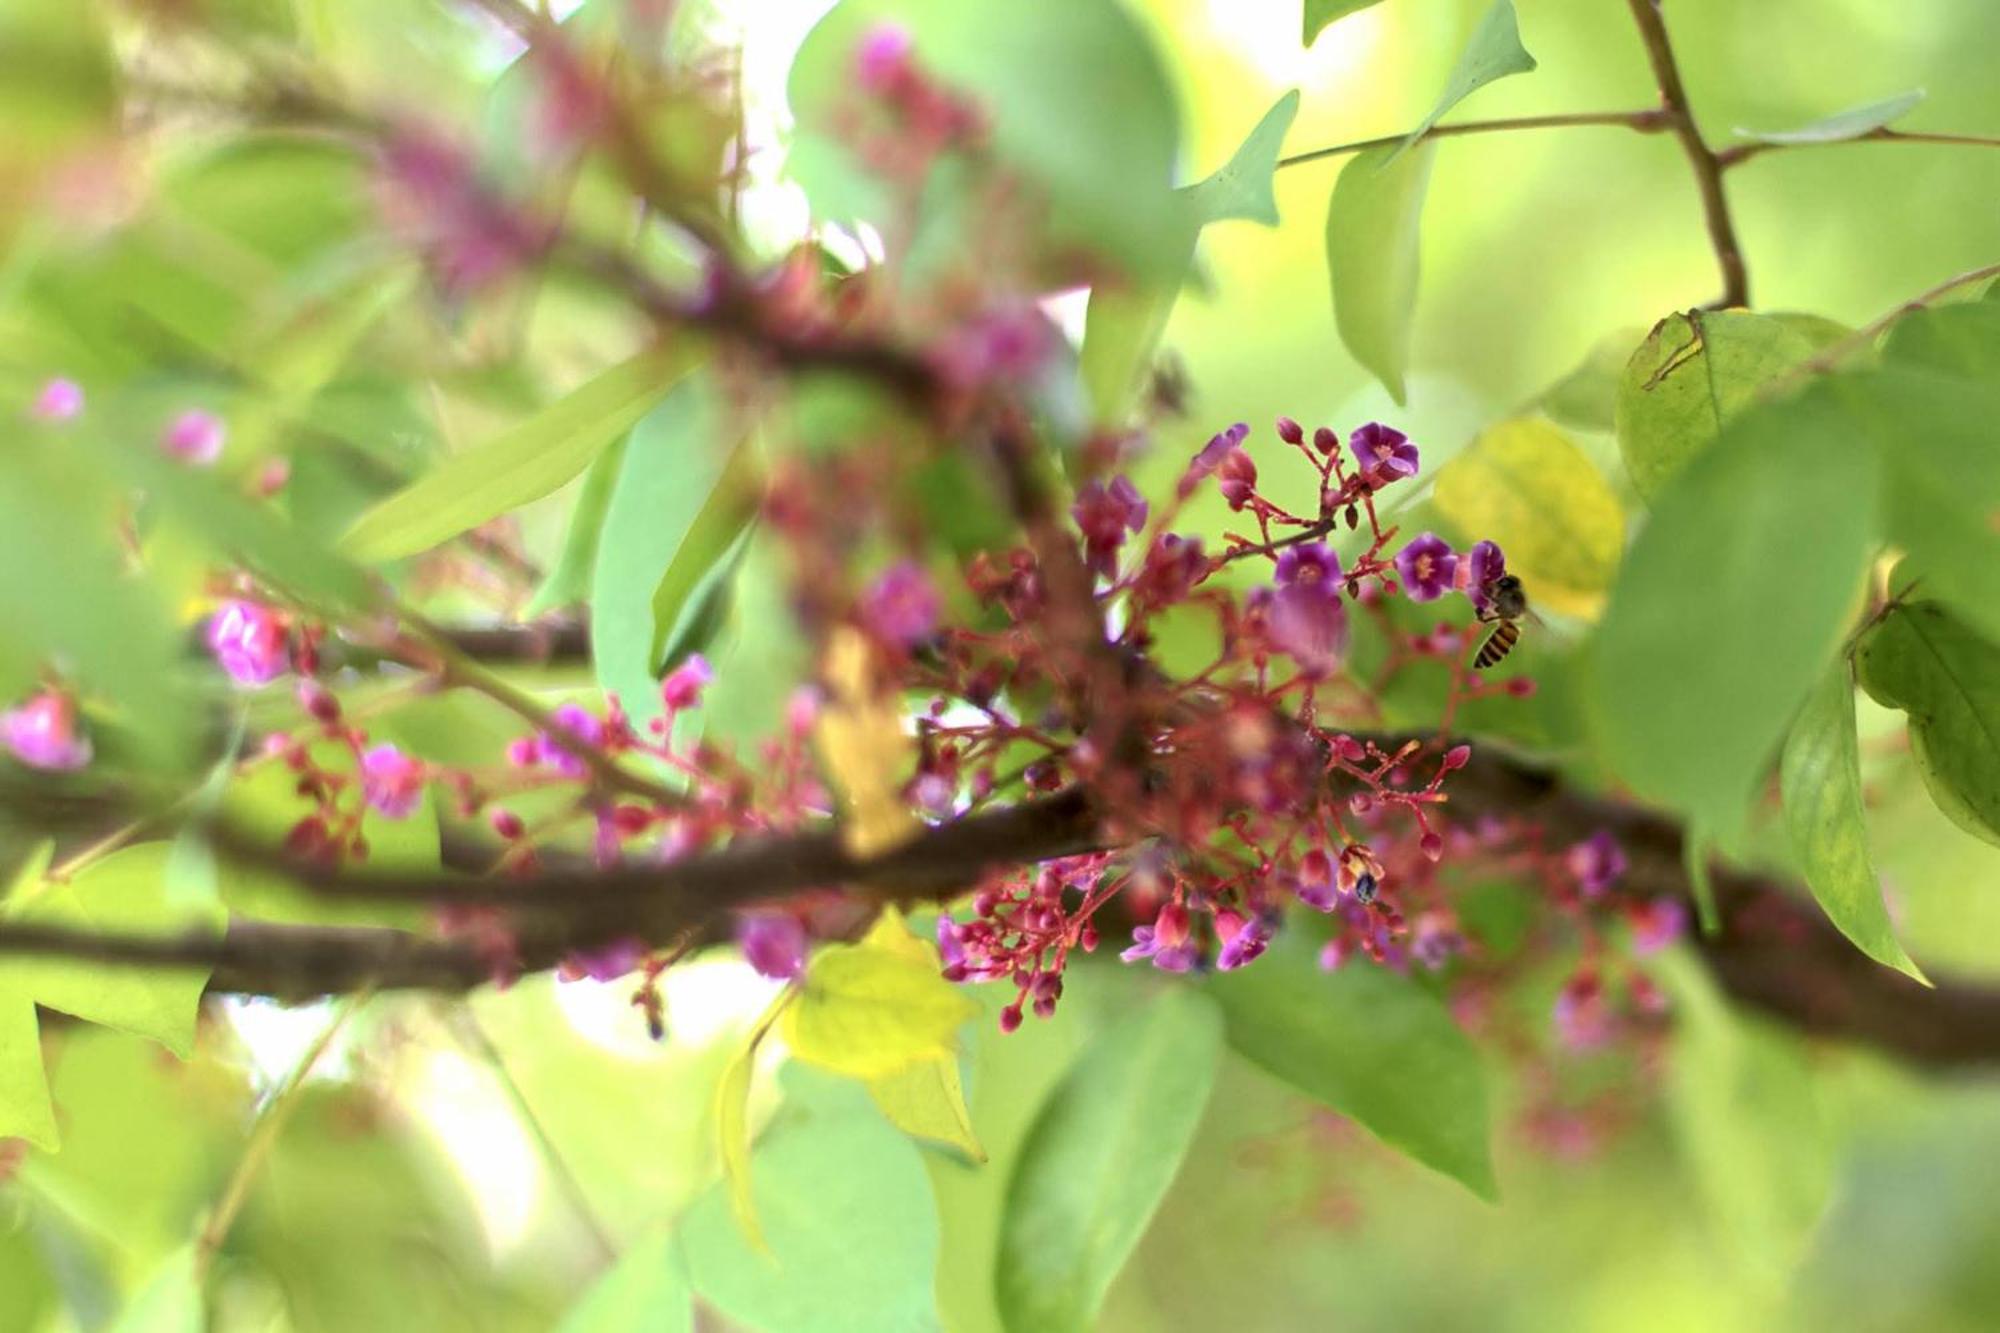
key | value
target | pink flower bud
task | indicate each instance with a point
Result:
(42, 733)
(392, 782)
(60, 400)
(250, 641)
(1290, 431)
(683, 685)
(194, 437)
(1458, 756)
(506, 823)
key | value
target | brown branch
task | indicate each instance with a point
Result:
(1646, 120)
(1776, 952)
(1707, 168)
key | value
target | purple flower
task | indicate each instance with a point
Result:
(1428, 566)
(1315, 885)
(682, 687)
(391, 781)
(1656, 923)
(582, 728)
(250, 641)
(1307, 620)
(901, 606)
(774, 943)
(1104, 515)
(1165, 941)
(1382, 453)
(606, 963)
(194, 437)
(1218, 448)
(1236, 478)
(1243, 940)
(1312, 562)
(1598, 862)
(1173, 566)
(59, 400)
(42, 733)
(1483, 564)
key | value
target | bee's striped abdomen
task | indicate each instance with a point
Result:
(1498, 645)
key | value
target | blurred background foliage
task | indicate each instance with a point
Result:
(474, 1169)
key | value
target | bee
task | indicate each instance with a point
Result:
(1505, 605)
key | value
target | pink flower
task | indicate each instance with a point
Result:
(1219, 447)
(1165, 941)
(1597, 862)
(1383, 454)
(1315, 887)
(42, 733)
(1427, 565)
(1308, 621)
(774, 943)
(1243, 940)
(1582, 1017)
(1104, 515)
(582, 730)
(392, 781)
(1655, 923)
(59, 400)
(1311, 562)
(194, 437)
(882, 57)
(682, 686)
(605, 963)
(901, 606)
(250, 641)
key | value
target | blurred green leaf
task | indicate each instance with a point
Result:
(123, 892)
(1821, 779)
(1962, 338)
(569, 582)
(1372, 1045)
(1525, 484)
(847, 1211)
(169, 1301)
(1099, 1159)
(1494, 52)
(1587, 397)
(1077, 100)
(1924, 660)
(676, 468)
(525, 463)
(646, 1291)
(1852, 123)
(25, 1110)
(1372, 245)
(58, 93)
(1242, 187)
(1730, 605)
(1693, 373)
(1747, 1117)
(1320, 13)
(1941, 477)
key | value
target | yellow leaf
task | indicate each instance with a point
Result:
(732, 1124)
(928, 1101)
(892, 932)
(867, 1010)
(866, 752)
(1526, 485)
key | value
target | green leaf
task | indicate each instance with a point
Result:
(732, 1120)
(673, 465)
(1099, 1159)
(1697, 856)
(1924, 660)
(1693, 373)
(1372, 1045)
(1731, 603)
(1243, 187)
(124, 892)
(1962, 338)
(58, 92)
(1747, 1118)
(25, 1110)
(170, 1301)
(1942, 477)
(848, 1213)
(569, 582)
(927, 1099)
(1320, 13)
(1852, 123)
(1125, 318)
(691, 600)
(865, 1010)
(1525, 484)
(525, 463)
(1372, 248)
(646, 1291)
(1587, 397)
(1821, 780)
(1494, 52)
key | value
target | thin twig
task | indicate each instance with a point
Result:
(1648, 120)
(1829, 357)
(1701, 158)
(1737, 154)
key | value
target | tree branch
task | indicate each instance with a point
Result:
(1647, 120)
(1737, 154)
(1776, 952)
(1707, 168)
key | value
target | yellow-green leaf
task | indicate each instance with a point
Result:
(732, 1122)
(928, 1100)
(865, 749)
(866, 1011)
(1526, 485)
(525, 463)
